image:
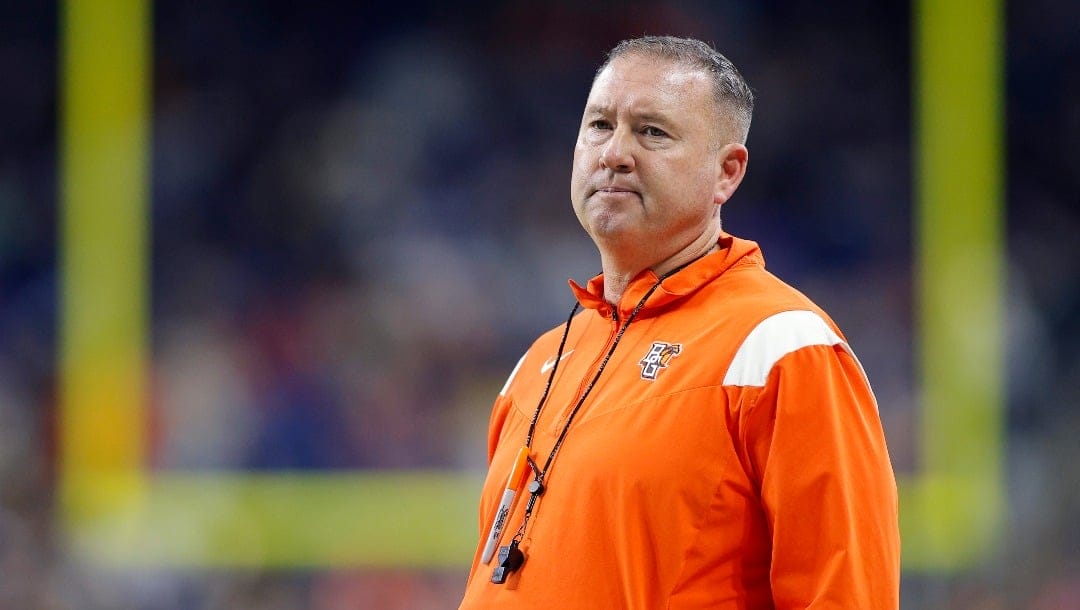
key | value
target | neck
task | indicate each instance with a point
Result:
(617, 276)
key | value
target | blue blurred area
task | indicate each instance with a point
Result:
(361, 219)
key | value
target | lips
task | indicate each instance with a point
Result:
(614, 189)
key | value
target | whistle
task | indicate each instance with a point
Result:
(510, 559)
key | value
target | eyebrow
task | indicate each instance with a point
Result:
(648, 116)
(596, 109)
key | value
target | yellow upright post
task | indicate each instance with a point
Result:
(103, 185)
(954, 512)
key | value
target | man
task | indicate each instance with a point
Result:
(700, 435)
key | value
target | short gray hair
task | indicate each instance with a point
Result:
(730, 90)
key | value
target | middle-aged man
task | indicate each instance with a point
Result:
(699, 435)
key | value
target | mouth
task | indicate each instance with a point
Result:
(615, 190)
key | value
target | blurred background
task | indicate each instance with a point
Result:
(358, 220)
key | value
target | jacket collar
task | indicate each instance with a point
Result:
(733, 251)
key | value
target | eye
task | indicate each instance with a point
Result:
(600, 124)
(653, 132)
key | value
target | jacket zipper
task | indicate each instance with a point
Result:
(589, 373)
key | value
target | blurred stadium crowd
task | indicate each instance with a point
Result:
(360, 220)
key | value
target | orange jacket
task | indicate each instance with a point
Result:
(730, 456)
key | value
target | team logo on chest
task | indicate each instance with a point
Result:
(658, 357)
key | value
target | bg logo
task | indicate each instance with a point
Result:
(659, 356)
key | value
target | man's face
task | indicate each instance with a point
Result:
(644, 169)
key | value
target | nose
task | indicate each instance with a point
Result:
(617, 153)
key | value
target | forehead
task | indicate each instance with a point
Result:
(645, 83)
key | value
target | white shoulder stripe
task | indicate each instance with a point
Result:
(772, 339)
(506, 386)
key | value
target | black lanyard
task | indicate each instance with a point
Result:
(511, 557)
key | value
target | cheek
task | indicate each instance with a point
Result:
(691, 181)
(582, 157)
(579, 173)
(679, 193)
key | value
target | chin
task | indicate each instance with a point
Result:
(614, 230)
(602, 219)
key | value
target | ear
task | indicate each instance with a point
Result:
(730, 168)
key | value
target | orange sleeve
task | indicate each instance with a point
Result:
(815, 443)
(499, 411)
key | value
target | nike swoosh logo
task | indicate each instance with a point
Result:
(550, 362)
